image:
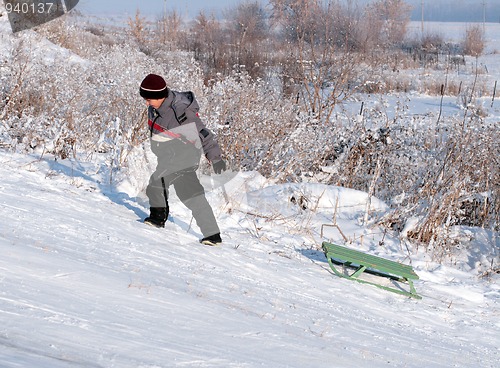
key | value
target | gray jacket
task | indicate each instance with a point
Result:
(178, 135)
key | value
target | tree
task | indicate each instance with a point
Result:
(249, 30)
(168, 28)
(321, 61)
(138, 29)
(296, 18)
(389, 19)
(208, 42)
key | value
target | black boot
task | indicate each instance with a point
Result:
(212, 240)
(158, 216)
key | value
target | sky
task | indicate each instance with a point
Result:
(442, 10)
(119, 7)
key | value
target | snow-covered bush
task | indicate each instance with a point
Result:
(434, 175)
(57, 102)
(445, 176)
(251, 121)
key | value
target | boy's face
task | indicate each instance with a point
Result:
(154, 103)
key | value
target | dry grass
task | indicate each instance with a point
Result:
(446, 175)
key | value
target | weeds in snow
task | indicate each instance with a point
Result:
(436, 172)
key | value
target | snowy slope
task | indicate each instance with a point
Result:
(83, 283)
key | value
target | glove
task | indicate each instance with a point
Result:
(219, 166)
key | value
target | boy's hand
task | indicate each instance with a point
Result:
(219, 166)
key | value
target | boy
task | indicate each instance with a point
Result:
(177, 137)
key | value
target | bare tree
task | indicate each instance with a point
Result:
(389, 20)
(208, 43)
(296, 18)
(249, 31)
(138, 28)
(169, 29)
(321, 60)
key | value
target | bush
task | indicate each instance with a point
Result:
(52, 100)
(474, 42)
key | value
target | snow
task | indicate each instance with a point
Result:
(85, 284)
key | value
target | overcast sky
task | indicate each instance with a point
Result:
(437, 10)
(147, 7)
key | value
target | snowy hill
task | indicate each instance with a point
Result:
(85, 284)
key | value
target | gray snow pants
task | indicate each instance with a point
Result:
(191, 193)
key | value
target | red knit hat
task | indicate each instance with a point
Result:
(153, 87)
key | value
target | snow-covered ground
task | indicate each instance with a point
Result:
(84, 283)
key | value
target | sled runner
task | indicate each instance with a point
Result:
(360, 262)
